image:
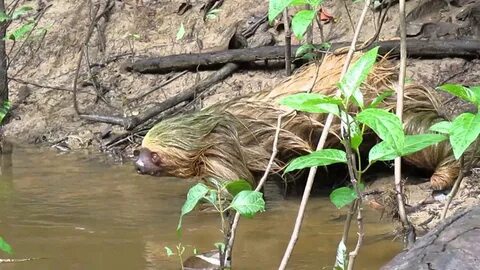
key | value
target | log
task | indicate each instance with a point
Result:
(453, 244)
(212, 60)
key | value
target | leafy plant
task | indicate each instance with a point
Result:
(465, 128)
(301, 20)
(223, 197)
(385, 124)
(23, 30)
(180, 251)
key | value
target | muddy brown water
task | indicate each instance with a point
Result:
(81, 211)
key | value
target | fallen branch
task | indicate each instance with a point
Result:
(211, 60)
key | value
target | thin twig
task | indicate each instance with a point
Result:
(309, 33)
(262, 180)
(80, 58)
(260, 183)
(320, 27)
(45, 86)
(321, 143)
(164, 83)
(39, 17)
(399, 111)
(455, 188)
(96, 85)
(348, 15)
(288, 43)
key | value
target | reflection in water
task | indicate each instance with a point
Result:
(82, 212)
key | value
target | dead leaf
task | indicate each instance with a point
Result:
(325, 16)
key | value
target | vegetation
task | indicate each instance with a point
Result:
(225, 198)
(385, 124)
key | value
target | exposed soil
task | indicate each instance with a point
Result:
(46, 116)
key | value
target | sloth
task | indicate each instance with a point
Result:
(234, 139)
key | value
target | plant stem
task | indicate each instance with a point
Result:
(321, 143)
(309, 36)
(288, 43)
(354, 172)
(354, 253)
(399, 111)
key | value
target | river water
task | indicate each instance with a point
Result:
(82, 211)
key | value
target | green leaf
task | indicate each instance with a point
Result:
(462, 92)
(315, 3)
(298, 3)
(305, 48)
(442, 127)
(385, 124)
(21, 32)
(275, 7)
(322, 157)
(195, 194)
(312, 103)
(180, 32)
(4, 17)
(382, 151)
(376, 101)
(248, 203)
(4, 109)
(237, 186)
(301, 21)
(356, 75)
(343, 196)
(20, 12)
(465, 129)
(418, 142)
(169, 252)
(413, 143)
(356, 136)
(4, 246)
(220, 245)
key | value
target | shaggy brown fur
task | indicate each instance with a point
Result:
(234, 139)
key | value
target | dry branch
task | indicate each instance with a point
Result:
(212, 60)
(185, 95)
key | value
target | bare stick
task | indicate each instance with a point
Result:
(309, 33)
(164, 83)
(80, 58)
(45, 86)
(231, 241)
(455, 188)
(288, 43)
(262, 181)
(399, 111)
(321, 143)
(320, 27)
(348, 15)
